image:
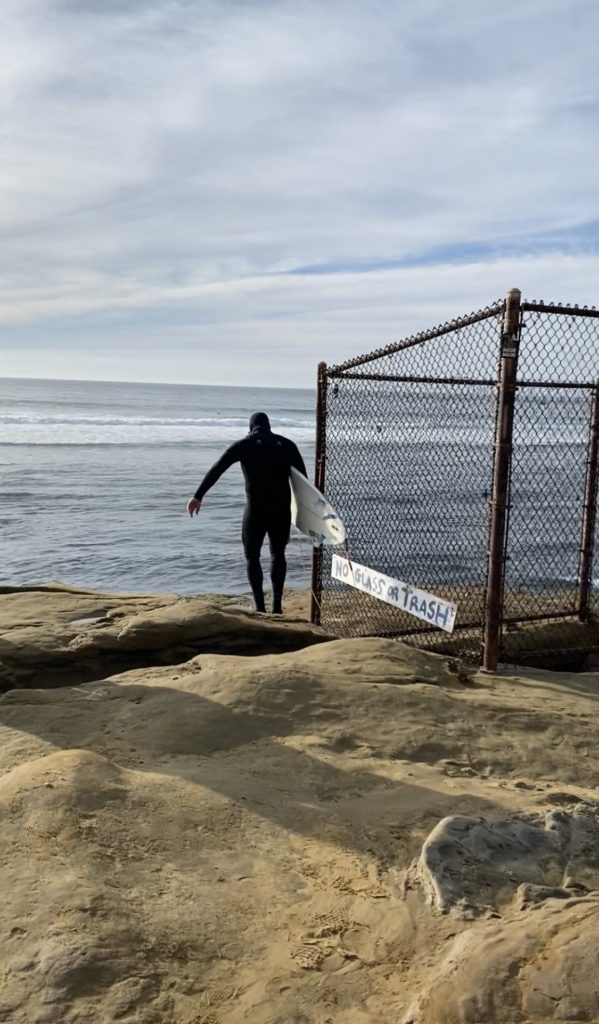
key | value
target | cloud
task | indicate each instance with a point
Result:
(176, 174)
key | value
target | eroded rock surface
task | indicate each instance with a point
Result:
(55, 634)
(475, 866)
(226, 839)
(538, 965)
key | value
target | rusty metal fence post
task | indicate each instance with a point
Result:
(589, 511)
(506, 395)
(319, 480)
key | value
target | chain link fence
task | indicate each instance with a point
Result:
(463, 461)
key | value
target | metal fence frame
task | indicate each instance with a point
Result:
(507, 384)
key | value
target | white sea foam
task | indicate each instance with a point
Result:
(143, 421)
(24, 428)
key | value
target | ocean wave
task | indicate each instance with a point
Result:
(133, 443)
(89, 430)
(27, 420)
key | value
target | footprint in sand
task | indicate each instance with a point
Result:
(310, 958)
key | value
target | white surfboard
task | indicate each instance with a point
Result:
(312, 513)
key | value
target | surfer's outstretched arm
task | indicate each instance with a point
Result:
(228, 459)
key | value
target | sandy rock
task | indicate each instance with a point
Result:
(473, 866)
(53, 634)
(66, 935)
(536, 966)
(225, 839)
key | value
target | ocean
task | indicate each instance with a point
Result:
(95, 478)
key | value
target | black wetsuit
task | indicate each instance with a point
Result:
(266, 460)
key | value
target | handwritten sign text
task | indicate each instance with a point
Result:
(434, 610)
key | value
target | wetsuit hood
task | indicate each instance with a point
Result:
(259, 421)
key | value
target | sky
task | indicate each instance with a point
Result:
(228, 191)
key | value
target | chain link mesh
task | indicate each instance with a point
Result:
(408, 446)
(409, 436)
(557, 370)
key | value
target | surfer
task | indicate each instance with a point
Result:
(266, 460)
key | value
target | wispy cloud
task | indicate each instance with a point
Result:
(217, 183)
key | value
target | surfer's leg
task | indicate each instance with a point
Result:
(253, 534)
(278, 537)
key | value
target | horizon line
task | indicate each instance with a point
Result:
(155, 383)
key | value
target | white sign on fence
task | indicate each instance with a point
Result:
(434, 610)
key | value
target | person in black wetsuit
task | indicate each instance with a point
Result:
(266, 460)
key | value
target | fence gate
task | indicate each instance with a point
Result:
(463, 460)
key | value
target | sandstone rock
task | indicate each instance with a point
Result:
(224, 839)
(536, 966)
(52, 635)
(474, 866)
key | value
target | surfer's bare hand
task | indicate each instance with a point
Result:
(193, 506)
